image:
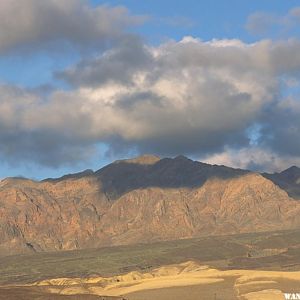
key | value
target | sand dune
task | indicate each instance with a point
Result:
(248, 284)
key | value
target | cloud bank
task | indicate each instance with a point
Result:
(193, 97)
(223, 101)
(31, 24)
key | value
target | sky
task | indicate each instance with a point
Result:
(83, 83)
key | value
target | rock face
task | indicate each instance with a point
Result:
(142, 200)
(289, 180)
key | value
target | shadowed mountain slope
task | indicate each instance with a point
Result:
(141, 200)
(180, 172)
(289, 180)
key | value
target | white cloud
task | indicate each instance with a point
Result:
(34, 23)
(262, 23)
(178, 21)
(253, 158)
(190, 97)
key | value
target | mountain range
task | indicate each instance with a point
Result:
(143, 200)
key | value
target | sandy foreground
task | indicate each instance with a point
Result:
(245, 284)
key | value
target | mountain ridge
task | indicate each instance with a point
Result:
(127, 202)
(149, 159)
(282, 179)
(288, 179)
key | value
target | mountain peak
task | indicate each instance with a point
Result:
(161, 199)
(292, 169)
(292, 173)
(181, 157)
(289, 180)
(146, 159)
(85, 173)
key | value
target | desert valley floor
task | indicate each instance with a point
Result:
(251, 266)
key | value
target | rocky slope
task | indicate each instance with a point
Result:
(142, 200)
(289, 180)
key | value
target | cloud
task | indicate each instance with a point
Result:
(192, 97)
(32, 24)
(282, 130)
(262, 23)
(253, 158)
(116, 65)
(178, 21)
(28, 132)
